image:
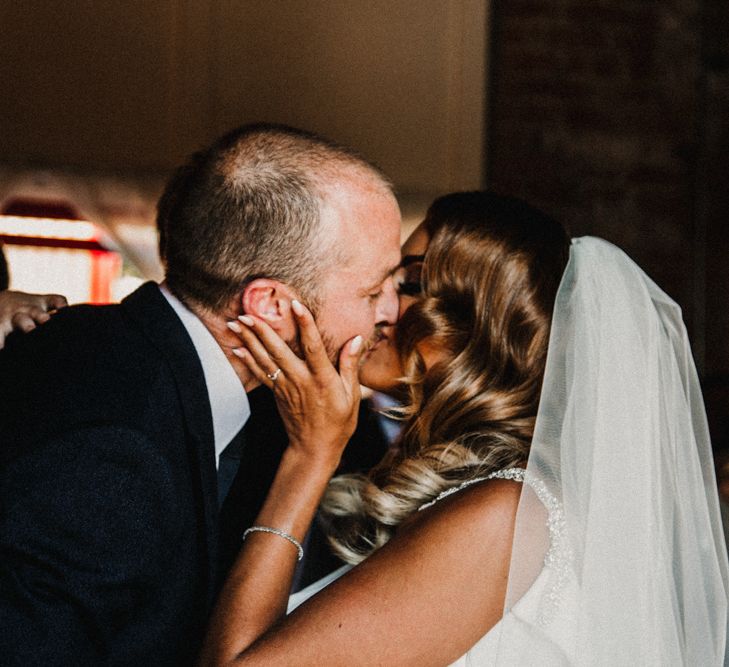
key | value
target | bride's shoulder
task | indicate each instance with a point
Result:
(486, 506)
(444, 570)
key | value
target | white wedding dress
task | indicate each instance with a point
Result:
(548, 604)
(636, 570)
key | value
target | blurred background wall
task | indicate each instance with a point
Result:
(614, 116)
(137, 85)
(611, 115)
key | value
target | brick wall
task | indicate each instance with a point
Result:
(612, 116)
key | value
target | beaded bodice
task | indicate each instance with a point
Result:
(558, 558)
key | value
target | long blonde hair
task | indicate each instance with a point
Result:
(490, 276)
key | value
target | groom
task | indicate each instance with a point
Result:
(122, 426)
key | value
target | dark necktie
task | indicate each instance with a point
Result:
(228, 466)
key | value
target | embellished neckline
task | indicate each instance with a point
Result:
(514, 474)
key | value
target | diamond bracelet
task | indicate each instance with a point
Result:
(280, 533)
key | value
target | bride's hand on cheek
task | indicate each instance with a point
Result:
(318, 404)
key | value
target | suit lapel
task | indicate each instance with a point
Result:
(265, 441)
(148, 307)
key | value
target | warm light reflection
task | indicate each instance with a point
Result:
(82, 276)
(48, 228)
(62, 256)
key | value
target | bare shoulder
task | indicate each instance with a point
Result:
(488, 507)
(444, 573)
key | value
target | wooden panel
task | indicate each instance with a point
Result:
(139, 85)
(401, 81)
(85, 82)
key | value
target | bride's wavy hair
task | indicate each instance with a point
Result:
(490, 277)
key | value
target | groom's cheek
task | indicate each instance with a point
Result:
(332, 348)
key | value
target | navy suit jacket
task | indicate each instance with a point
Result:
(112, 547)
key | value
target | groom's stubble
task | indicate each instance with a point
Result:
(333, 349)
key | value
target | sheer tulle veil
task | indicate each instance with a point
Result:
(636, 572)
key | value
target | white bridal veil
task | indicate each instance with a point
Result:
(636, 572)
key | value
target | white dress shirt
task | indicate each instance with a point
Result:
(228, 399)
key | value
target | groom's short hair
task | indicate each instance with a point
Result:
(249, 207)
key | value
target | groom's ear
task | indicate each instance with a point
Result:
(270, 300)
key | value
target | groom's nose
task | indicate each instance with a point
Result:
(387, 305)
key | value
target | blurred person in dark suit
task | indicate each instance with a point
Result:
(124, 460)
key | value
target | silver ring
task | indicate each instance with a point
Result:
(273, 376)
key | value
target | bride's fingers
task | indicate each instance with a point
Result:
(259, 373)
(313, 347)
(267, 347)
(253, 347)
(349, 359)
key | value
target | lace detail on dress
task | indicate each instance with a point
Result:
(558, 558)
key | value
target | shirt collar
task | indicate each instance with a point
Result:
(228, 400)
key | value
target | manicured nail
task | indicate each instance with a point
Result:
(234, 326)
(239, 352)
(355, 345)
(297, 307)
(247, 320)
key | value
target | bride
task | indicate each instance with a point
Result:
(551, 499)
